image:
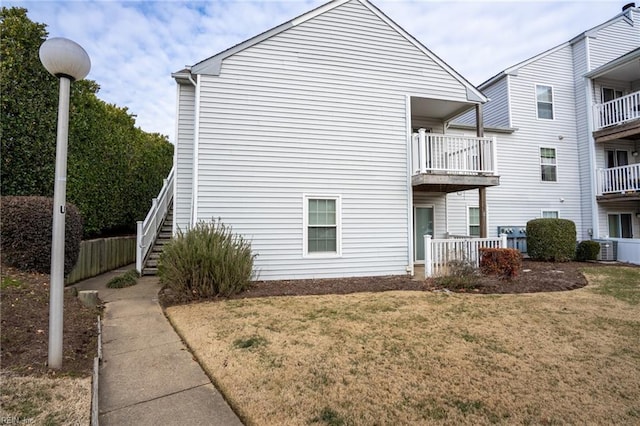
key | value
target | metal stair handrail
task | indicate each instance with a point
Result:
(147, 229)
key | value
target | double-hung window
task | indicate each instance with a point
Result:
(548, 167)
(544, 101)
(322, 225)
(474, 221)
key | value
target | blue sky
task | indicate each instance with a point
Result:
(134, 46)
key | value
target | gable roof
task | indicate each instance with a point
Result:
(213, 64)
(513, 70)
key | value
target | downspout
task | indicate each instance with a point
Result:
(196, 142)
(410, 269)
(595, 221)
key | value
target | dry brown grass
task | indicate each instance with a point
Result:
(422, 358)
(45, 400)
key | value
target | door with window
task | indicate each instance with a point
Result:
(422, 225)
(616, 110)
(619, 178)
(620, 225)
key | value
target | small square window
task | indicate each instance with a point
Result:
(544, 98)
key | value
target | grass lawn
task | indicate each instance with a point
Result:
(421, 358)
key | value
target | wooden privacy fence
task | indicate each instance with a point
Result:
(440, 252)
(102, 255)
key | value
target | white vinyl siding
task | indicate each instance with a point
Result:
(184, 157)
(614, 40)
(320, 107)
(548, 165)
(496, 111)
(544, 101)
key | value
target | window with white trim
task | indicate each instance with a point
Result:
(322, 225)
(544, 101)
(550, 214)
(548, 167)
(474, 221)
(620, 225)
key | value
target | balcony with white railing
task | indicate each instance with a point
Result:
(618, 118)
(449, 163)
(619, 182)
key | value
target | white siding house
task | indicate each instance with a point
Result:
(550, 106)
(336, 141)
(305, 140)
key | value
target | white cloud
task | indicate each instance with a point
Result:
(135, 45)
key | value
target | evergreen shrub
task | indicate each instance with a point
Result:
(206, 261)
(551, 239)
(587, 250)
(26, 224)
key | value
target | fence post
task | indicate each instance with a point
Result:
(139, 247)
(428, 264)
(503, 240)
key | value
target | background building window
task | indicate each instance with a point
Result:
(322, 226)
(474, 221)
(544, 98)
(548, 164)
(550, 214)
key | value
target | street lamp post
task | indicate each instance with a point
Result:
(68, 61)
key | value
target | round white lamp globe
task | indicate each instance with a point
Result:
(65, 58)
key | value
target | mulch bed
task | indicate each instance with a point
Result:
(24, 317)
(535, 277)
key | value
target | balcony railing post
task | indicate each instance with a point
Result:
(494, 151)
(503, 240)
(422, 150)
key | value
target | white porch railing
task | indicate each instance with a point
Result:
(147, 230)
(618, 180)
(617, 111)
(451, 154)
(438, 253)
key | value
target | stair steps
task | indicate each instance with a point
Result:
(164, 236)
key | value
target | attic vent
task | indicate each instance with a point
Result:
(628, 6)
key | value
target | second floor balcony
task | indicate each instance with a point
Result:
(618, 183)
(450, 163)
(618, 118)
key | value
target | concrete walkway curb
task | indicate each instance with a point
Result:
(147, 375)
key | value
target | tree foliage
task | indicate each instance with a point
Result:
(114, 168)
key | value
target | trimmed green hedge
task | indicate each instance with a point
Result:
(587, 250)
(26, 233)
(114, 167)
(551, 239)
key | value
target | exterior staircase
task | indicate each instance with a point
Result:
(164, 236)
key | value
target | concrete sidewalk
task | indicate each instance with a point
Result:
(148, 376)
